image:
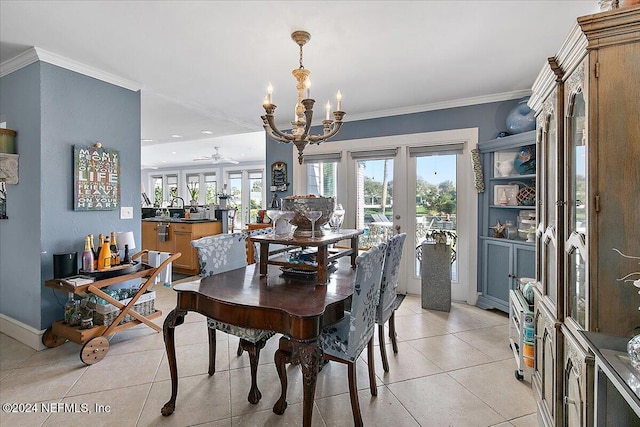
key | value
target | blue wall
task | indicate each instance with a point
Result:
(20, 234)
(488, 118)
(72, 109)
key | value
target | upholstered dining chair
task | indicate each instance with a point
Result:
(345, 341)
(217, 254)
(389, 298)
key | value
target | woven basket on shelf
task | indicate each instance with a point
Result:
(526, 195)
(106, 314)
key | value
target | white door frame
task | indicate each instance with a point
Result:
(466, 287)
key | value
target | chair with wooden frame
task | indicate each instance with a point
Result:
(389, 298)
(345, 341)
(217, 254)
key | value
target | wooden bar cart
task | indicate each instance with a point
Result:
(94, 340)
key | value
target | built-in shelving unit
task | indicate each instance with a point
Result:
(503, 260)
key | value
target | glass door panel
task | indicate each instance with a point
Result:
(255, 195)
(550, 275)
(435, 202)
(235, 190)
(577, 209)
(374, 205)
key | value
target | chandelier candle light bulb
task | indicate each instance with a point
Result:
(301, 124)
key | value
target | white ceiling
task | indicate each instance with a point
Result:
(205, 65)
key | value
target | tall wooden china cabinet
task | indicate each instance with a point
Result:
(588, 135)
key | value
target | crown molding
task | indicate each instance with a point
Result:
(485, 99)
(35, 54)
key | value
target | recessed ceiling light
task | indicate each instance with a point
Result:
(164, 161)
(207, 132)
(175, 135)
(146, 140)
(173, 152)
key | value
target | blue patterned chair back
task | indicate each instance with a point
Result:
(365, 299)
(390, 272)
(221, 252)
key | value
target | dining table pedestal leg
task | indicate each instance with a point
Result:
(175, 318)
(307, 354)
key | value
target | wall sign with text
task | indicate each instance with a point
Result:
(279, 176)
(96, 178)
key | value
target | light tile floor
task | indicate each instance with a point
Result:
(452, 369)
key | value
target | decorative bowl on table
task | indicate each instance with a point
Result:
(301, 204)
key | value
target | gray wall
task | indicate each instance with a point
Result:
(488, 118)
(72, 109)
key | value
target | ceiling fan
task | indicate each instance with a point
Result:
(216, 158)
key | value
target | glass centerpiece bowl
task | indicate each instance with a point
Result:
(301, 204)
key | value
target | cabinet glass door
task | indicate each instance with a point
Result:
(549, 209)
(577, 300)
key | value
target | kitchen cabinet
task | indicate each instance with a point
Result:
(505, 259)
(179, 237)
(586, 102)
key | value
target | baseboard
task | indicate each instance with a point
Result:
(19, 331)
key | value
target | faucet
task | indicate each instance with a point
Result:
(176, 198)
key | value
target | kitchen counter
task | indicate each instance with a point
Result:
(183, 220)
(176, 236)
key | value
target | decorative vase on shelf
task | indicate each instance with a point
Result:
(521, 118)
(505, 167)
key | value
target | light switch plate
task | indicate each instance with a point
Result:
(126, 212)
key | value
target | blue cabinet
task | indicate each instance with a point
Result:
(504, 256)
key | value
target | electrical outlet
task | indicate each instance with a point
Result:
(126, 212)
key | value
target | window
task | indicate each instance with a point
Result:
(172, 186)
(322, 174)
(193, 187)
(158, 190)
(211, 188)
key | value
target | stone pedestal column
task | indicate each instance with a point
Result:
(435, 271)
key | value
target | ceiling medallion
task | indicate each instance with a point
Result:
(301, 123)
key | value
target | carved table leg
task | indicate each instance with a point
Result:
(254, 357)
(175, 318)
(307, 354)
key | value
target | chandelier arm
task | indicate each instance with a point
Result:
(272, 126)
(335, 128)
(267, 129)
(273, 136)
(308, 115)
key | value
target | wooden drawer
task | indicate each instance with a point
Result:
(182, 227)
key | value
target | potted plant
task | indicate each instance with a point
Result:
(194, 193)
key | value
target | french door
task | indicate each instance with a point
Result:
(407, 183)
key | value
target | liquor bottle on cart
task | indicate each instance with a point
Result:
(87, 255)
(104, 258)
(115, 254)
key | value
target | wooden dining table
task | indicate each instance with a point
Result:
(299, 308)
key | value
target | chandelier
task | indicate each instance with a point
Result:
(301, 123)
